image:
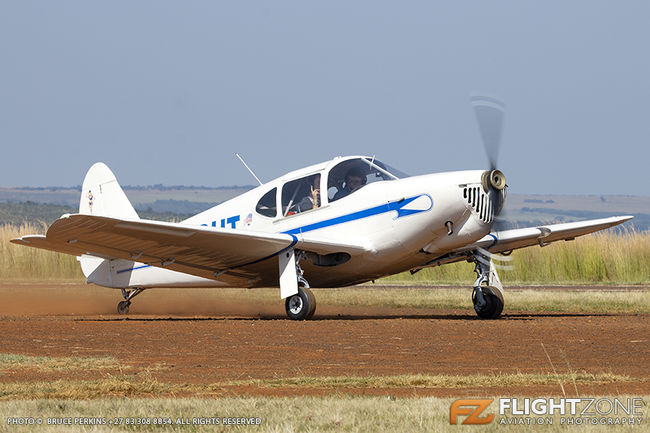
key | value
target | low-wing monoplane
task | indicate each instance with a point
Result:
(342, 222)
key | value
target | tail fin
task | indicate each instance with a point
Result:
(102, 195)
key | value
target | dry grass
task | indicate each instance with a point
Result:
(532, 300)
(429, 381)
(342, 413)
(10, 361)
(19, 262)
(603, 257)
(143, 384)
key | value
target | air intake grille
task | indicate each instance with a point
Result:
(480, 202)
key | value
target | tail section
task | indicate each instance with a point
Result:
(101, 195)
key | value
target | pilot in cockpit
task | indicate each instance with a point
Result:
(354, 179)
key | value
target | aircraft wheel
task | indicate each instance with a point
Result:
(493, 307)
(312, 304)
(301, 306)
(123, 307)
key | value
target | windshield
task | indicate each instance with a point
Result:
(350, 175)
(385, 169)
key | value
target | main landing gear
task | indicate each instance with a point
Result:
(123, 307)
(302, 305)
(487, 296)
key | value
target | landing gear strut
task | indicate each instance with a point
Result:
(302, 305)
(123, 307)
(487, 296)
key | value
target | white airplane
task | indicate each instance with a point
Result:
(370, 221)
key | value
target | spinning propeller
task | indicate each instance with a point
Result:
(489, 115)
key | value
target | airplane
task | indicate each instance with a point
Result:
(370, 221)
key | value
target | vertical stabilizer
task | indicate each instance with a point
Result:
(101, 195)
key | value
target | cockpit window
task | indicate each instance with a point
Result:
(301, 195)
(351, 175)
(266, 206)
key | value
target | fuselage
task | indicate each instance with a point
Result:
(399, 223)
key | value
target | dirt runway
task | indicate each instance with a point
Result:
(256, 341)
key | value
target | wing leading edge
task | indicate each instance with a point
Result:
(508, 240)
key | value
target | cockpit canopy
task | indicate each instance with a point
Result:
(302, 193)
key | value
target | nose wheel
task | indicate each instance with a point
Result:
(486, 303)
(487, 296)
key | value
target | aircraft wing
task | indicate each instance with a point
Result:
(198, 250)
(508, 240)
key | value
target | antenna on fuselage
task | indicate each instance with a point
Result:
(248, 168)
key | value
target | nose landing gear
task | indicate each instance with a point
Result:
(487, 296)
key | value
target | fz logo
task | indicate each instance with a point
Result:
(471, 409)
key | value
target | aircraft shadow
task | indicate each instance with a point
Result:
(342, 317)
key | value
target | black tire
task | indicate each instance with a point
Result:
(123, 307)
(301, 306)
(493, 307)
(312, 304)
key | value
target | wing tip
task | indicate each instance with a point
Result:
(616, 220)
(25, 240)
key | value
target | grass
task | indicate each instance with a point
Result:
(600, 258)
(279, 414)
(594, 301)
(437, 381)
(531, 300)
(18, 262)
(10, 361)
(143, 384)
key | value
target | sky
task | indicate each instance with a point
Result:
(165, 92)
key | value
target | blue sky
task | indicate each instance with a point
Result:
(166, 92)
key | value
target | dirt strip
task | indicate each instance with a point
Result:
(256, 341)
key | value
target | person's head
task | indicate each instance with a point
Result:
(354, 179)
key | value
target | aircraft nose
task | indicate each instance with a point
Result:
(485, 199)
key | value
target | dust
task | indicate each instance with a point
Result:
(54, 299)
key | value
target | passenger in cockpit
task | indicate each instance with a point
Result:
(311, 201)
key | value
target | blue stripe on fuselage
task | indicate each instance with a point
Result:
(377, 210)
